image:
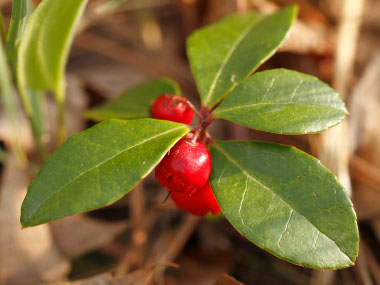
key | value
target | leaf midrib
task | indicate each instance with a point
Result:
(269, 103)
(229, 54)
(99, 164)
(273, 192)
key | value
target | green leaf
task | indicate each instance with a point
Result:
(97, 167)
(223, 54)
(283, 101)
(286, 202)
(133, 103)
(3, 32)
(16, 28)
(31, 100)
(45, 44)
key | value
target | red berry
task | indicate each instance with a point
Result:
(186, 167)
(198, 203)
(172, 108)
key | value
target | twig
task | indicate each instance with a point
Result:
(176, 244)
(139, 235)
(361, 268)
(365, 172)
(373, 266)
(196, 112)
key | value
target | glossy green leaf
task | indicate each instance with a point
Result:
(45, 44)
(133, 103)
(283, 101)
(286, 202)
(223, 54)
(97, 167)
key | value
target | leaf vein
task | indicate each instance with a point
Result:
(268, 89)
(225, 61)
(315, 242)
(274, 193)
(295, 90)
(99, 164)
(286, 227)
(242, 201)
(261, 103)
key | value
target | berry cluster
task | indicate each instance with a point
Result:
(186, 168)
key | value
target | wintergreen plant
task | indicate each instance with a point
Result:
(278, 197)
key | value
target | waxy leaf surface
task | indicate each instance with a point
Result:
(97, 167)
(134, 103)
(45, 44)
(283, 101)
(286, 202)
(223, 54)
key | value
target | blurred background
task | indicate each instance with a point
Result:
(123, 42)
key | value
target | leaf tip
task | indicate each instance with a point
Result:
(23, 221)
(26, 217)
(294, 10)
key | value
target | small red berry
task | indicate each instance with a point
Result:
(172, 108)
(198, 203)
(186, 167)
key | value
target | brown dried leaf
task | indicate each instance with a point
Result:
(27, 256)
(137, 277)
(226, 279)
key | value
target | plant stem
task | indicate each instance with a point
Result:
(60, 97)
(3, 31)
(207, 118)
(36, 130)
(191, 106)
(195, 136)
(10, 107)
(206, 139)
(31, 101)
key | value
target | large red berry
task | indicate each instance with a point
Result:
(186, 167)
(198, 203)
(172, 108)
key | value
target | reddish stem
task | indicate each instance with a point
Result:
(205, 118)
(195, 136)
(205, 138)
(191, 106)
